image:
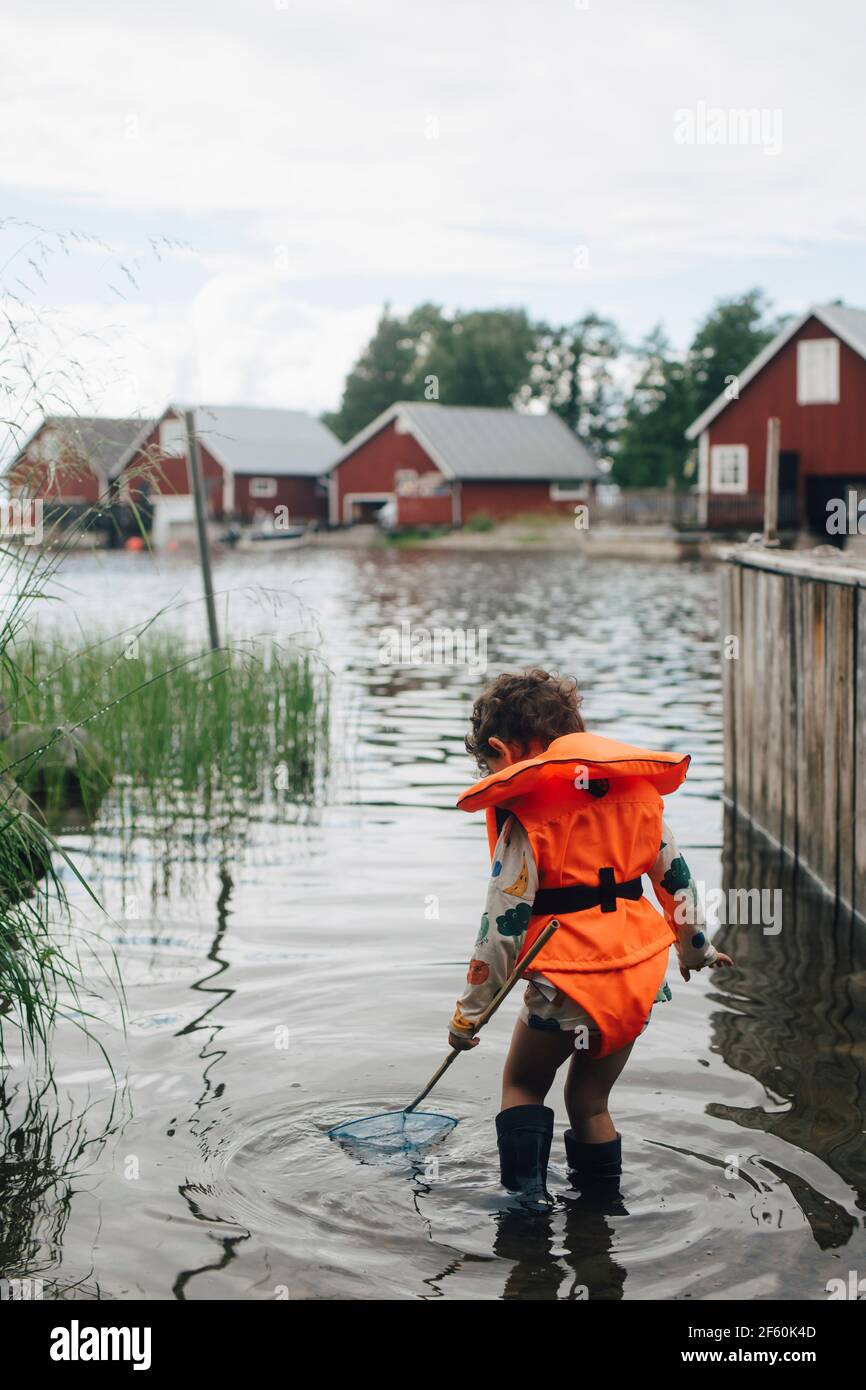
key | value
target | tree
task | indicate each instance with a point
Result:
(386, 371)
(672, 390)
(651, 446)
(480, 357)
(571, 373)
(732, 334)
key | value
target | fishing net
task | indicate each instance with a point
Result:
(408, 1131)
(393, 1131)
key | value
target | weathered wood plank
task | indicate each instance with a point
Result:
(758, 590)
(804, 697)
(816, 659)
(827, 865)
(745, 709)
(730, 579)
(789, 672)
(777, 693)
(843, 664)
(859, 760)
(795, 709)
(740, 733)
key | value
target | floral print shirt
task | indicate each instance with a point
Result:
(512, 887)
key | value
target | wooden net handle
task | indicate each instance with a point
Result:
(516, 974)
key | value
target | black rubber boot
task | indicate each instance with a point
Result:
(524, 1135)
(598, 1166)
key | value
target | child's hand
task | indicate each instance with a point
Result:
(462, 1041)
(721, 959)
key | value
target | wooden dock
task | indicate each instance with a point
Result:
(794, 690)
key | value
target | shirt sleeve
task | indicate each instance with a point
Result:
(676, 891)
(512, 887)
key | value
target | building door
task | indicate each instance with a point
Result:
(364, 507)
(821, 494)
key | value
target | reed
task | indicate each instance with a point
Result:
(245, 721)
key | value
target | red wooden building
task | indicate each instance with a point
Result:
(812, 376)
(254, 460)
(433, 464)
(70, 459)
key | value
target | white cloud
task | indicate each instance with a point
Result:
(292, 139)
(241, 340)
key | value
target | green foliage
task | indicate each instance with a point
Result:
(730, 336)
(166, 718)
(415, 535)
(498, 357)
(673, 388)
(39, 965)
(571, 373)
(479, 521)
(652, 444)
(146, 717)
(481, 357)
(383, 374)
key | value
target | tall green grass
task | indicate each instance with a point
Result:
(150, 722)
(248, 722)
(41, 959)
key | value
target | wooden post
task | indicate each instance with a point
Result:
(196, 488)
(771, 482)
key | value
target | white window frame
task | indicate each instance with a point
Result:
(569, 492)
(818, 371)
(722, 456)
(172, 438)
(262, 487)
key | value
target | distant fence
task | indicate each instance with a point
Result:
(794, 686)
(687, 511)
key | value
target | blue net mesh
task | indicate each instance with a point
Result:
(393, 1131)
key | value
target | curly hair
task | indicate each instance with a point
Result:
(521, 707)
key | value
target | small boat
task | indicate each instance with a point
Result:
(268, 537)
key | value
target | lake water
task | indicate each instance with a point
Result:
(203, 1170)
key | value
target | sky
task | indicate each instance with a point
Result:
(212, 201)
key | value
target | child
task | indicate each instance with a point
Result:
(573, 822)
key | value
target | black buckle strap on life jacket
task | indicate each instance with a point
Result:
(578, 897)
(607, 889)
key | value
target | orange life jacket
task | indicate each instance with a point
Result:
(592, 809)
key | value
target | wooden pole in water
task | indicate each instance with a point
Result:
(771, 482)
(196, 487)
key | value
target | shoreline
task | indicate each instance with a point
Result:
(633, 543)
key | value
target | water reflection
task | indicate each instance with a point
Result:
(45, 1155)
(314, 917)
(795, 1019)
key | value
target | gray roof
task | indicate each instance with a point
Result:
(847, 324)
(99, 440)
(253, 439)
(487, 443)
(257, 439)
